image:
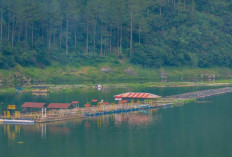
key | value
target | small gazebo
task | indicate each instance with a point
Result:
(33, 106)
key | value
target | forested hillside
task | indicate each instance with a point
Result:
(152, 33)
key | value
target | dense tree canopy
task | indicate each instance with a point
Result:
(147, 32)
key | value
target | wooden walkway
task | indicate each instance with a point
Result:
(85, 112)
(203, 94)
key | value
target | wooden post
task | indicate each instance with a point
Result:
(4, 115)
(132, 101)
(8, 114)
(17, 114)
(138, 102)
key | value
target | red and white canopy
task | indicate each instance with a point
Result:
(133, 95)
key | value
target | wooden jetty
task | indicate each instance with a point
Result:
(203, 94)
(62, 111)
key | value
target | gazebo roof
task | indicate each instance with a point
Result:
(33, 105)
(134, 95)
(59, 105)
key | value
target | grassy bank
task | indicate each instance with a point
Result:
(69, 88)
(113, 73)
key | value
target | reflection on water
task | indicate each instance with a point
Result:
(194, 130)
(11, 131)
(138, 118)
(40, 94)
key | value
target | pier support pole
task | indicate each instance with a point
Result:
(42, 112)
(45, 112)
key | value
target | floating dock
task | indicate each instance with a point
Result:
(143, 107)
(203, 94)
(61, 111)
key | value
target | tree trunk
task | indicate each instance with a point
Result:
(75, 38)
(87, 38)
(94, 35)
(121, 39)
(38, 36)
(148, 13)
(26, 32)
(32, 35)
(15, 30)
(193, 5)
(8, 27)
(131, 34)
(94, 44)
(118, 36)
(184, 4)
(139, 32)
(42, 36)
(101, 45)
(110, 39)
(1, 19)
(19, 33)
(49, 42)
(54, 38)
(66, 44)
(60, 35)
(12, 33)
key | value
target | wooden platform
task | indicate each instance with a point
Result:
(85, 112)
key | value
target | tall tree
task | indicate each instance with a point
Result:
(71, 13)
(2, 4)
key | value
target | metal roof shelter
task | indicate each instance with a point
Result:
(87, 105)
(133, 95)
(33, 105)
(75, 102)
(124, 101)
(94, 100)
(59, 105)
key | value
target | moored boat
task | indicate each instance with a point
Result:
(17, 121)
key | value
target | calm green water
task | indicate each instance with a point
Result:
(200, 129)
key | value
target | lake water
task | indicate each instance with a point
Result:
(201, 129)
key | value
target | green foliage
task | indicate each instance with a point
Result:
(151, 33)
(183, 101)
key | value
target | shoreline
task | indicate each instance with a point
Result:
(57, 88)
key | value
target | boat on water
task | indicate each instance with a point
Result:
(98, 86)
(17, 121)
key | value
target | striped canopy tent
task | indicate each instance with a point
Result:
(133, 95)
